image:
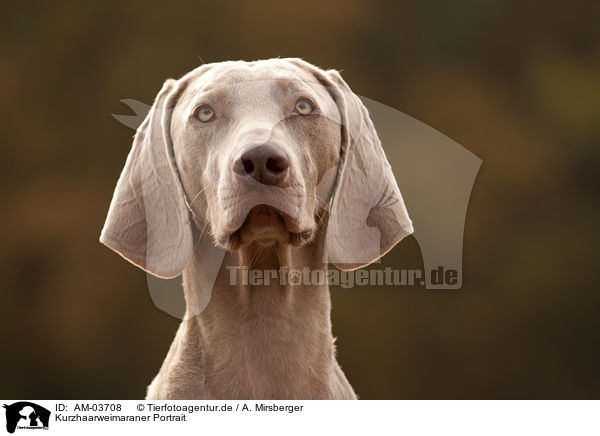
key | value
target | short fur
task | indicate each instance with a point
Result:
(340, 199)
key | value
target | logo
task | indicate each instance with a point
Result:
(26, 415)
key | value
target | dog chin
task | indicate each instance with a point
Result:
(265, 226)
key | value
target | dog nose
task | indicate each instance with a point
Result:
(265, 164)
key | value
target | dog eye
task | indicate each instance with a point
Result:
(205, 113)
(304, 107)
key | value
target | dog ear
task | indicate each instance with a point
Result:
(148, 220)
(367, 213)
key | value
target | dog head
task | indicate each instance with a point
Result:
(255, 152)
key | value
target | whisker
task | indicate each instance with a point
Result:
(320, 198)
(203, 229)
(201, 191)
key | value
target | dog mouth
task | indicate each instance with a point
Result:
(267, 225)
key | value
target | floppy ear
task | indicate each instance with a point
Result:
(367, 213)
(148, 221)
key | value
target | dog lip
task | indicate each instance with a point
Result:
(263, 215)
(262, 218)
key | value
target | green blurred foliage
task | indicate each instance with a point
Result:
(517, 83)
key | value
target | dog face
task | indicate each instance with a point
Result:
(252, 142)
(255, 152)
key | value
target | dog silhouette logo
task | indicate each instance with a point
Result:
(26, 415)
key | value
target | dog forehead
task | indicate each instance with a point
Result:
(241, 78)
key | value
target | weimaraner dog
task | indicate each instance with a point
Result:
(277, 164)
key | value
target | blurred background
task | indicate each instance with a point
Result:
(515, 82)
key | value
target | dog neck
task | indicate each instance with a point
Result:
(257, 338)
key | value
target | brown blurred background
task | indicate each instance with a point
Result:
(515, 82)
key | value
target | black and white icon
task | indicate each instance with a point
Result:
(26, 415)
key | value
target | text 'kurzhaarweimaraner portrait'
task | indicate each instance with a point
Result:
(255, 165)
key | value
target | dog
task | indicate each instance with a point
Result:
(276, 165)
